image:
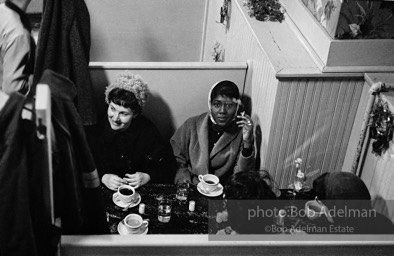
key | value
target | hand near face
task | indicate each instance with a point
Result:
(246, 123)
(112, 181)
(138, 179)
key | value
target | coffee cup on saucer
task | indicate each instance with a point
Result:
(134, 223)
(126, 194)
(315, 209)
(209, 182)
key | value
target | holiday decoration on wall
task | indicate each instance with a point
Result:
(225, 13)
(264, 10)
(217, 52)
(381, 127)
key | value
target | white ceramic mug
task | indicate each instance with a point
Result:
(134, 223)
(314, 209)
(209, 182)
(126, 193)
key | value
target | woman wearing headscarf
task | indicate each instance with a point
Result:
(127, 146)
(218, 142)
(349, 203)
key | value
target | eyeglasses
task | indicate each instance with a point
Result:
(227, 106)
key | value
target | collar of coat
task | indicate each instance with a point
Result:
(227, 137)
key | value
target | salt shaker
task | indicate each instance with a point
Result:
(192, 205)
(141, 208)
(281, 217)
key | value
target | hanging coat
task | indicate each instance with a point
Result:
(63, 46)
(25, 224)
(76, 181)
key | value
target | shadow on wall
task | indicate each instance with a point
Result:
(247, 102)
(258, 139)
(159, 112)
(99, 88)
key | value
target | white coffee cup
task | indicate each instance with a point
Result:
(209, 182)
(126, 193)
(314, 209)
(134, 223)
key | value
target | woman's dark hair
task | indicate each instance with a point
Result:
(248, 185)
(340, 186)
(244, 192)
(125, 99)
(225, 89)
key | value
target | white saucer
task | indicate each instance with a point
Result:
(124, 205)
(217, 192)
(123, 231)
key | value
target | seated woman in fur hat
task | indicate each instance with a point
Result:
(218, 142)
(127, 146)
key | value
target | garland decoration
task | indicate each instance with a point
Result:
(265, 10)
(381, 127)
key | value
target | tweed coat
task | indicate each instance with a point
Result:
(190, 145)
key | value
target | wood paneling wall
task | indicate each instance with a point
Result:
(313, 119)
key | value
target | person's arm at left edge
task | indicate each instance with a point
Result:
(15, 58)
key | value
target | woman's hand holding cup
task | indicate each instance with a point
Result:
(137, 179)
(112, 181)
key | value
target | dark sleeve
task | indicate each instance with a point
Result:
(160, 163)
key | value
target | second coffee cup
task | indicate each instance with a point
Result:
(134, 223)
(209, 181)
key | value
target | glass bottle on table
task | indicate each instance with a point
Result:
(164, 209)
(182, 191)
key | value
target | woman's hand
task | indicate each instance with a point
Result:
(112, 181)
(247, 129)
(138, 179)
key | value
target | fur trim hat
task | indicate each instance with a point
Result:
(132, 83)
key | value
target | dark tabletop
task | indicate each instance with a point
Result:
(200, 221)
(182, 220)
